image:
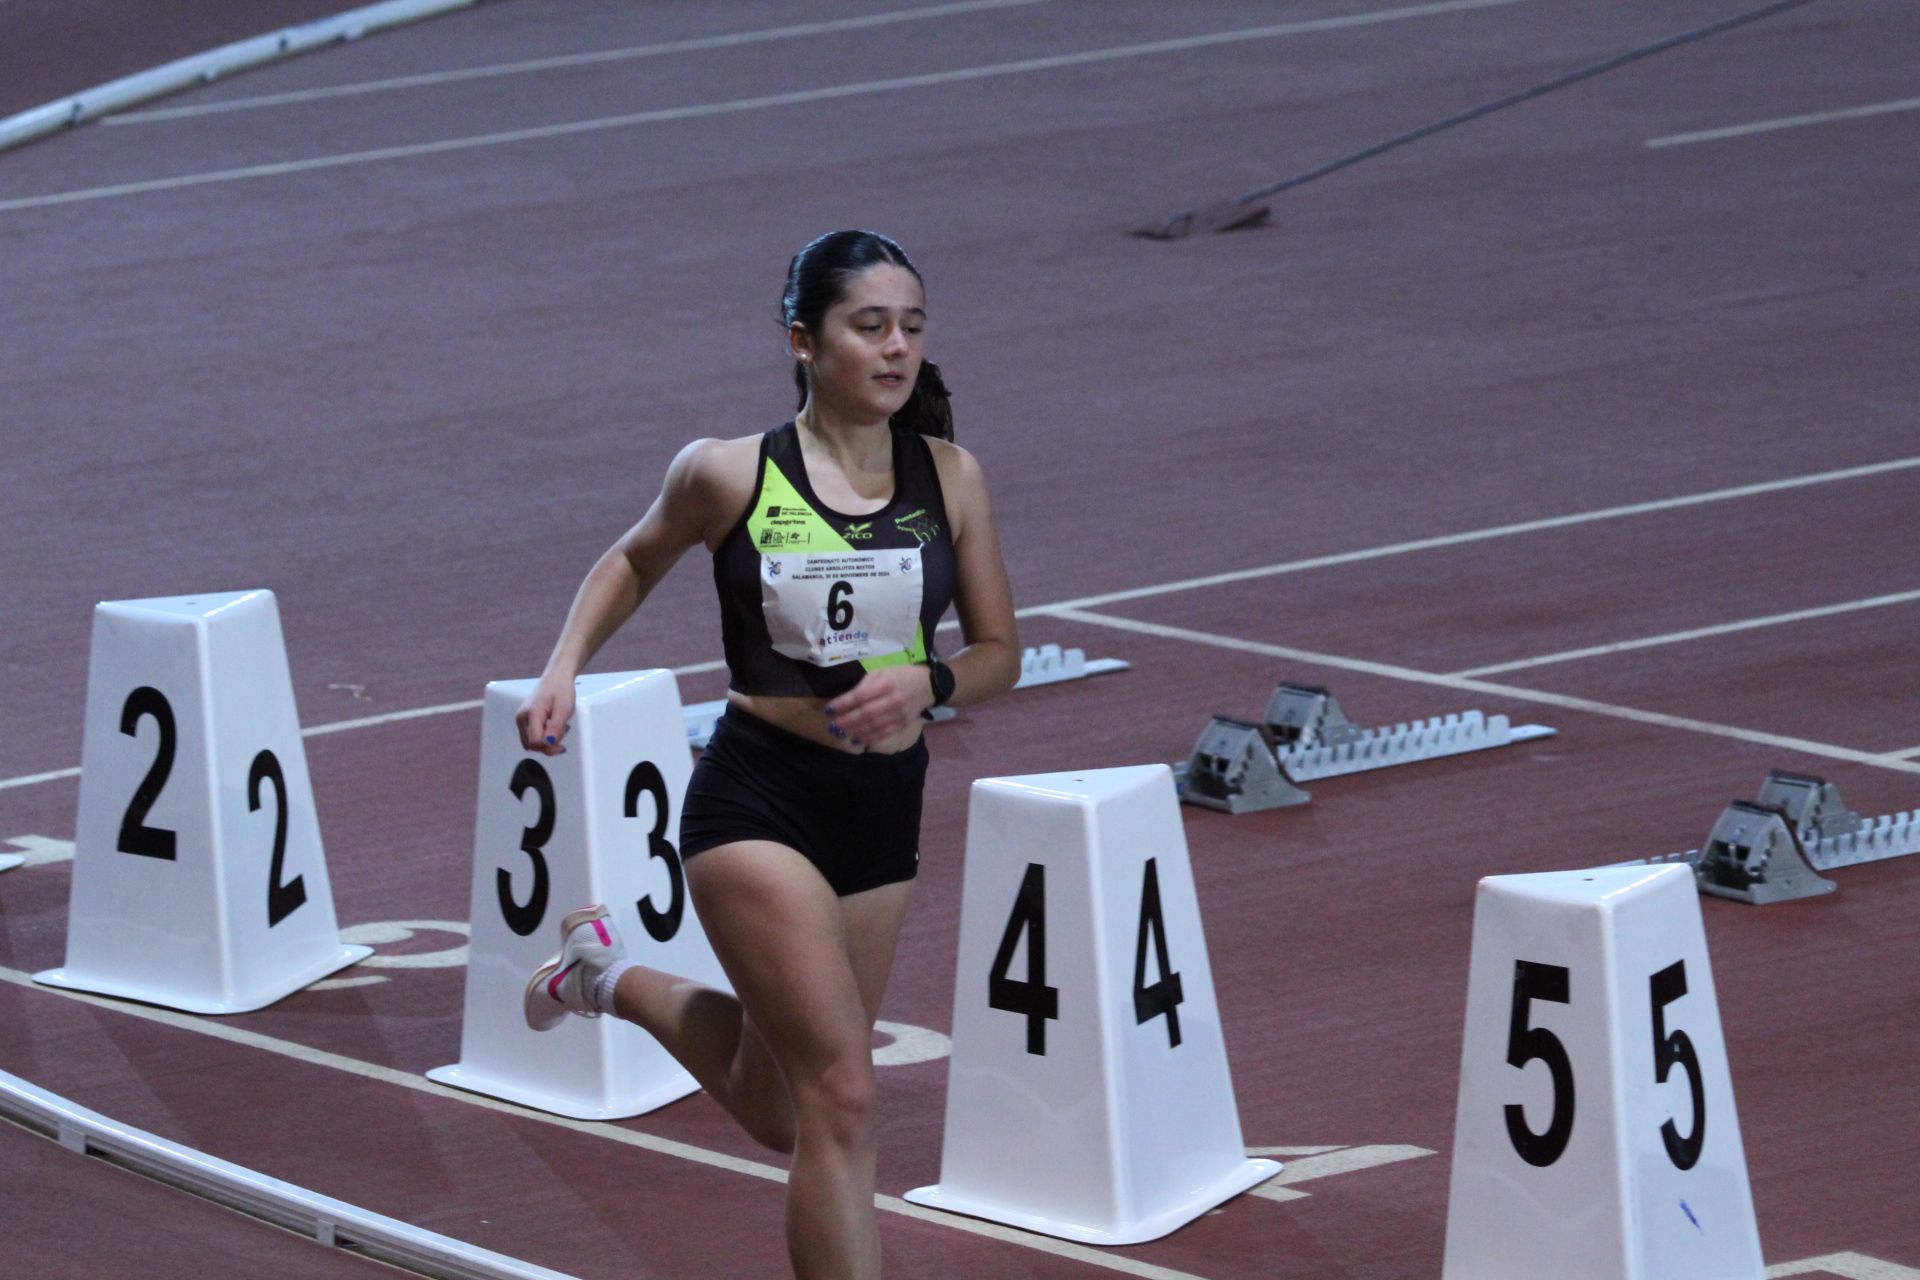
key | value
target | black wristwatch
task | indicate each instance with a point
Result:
(942, 677)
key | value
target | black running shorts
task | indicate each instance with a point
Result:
(854, 816)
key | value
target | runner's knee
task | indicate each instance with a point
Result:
(838, 1099)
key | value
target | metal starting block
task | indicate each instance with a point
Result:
(1314, 739)
(1233, 768)
(1774, 849)
(1241, 768)
(1046, 664)
(1754, 854)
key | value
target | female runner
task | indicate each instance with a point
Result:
(838, 541)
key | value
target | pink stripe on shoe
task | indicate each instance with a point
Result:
(553, 983)
(600, 927)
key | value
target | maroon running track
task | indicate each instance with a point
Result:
(415, 392)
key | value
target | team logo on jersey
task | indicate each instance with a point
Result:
(922, 526)
(773, 513)
(856, 532)
(783, 537)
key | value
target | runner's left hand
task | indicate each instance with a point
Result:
(883, 704)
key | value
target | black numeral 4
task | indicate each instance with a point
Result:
(1033, 998)
(1163, 998)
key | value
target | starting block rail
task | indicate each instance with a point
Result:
(1239, 767)
(1773, 849)
(1046, 664)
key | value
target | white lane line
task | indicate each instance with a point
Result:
(33, 779)
(1393, 672)
(1306, 1168)
(733, 106)
(1786, 122)
(1908, 754)
(615, 1133)
(1698, 633)
(563, 61)
(1480, 535)
(1244, 575)
(415, 713)
(364, 722)
(1847, 1266)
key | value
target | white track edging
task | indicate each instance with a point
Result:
(203, 68)
(326, 1220)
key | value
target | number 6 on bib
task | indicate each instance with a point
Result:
(1596, 1137)
(1089, 1096)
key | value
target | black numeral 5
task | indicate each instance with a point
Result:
(1524, 1044)
(1665, 987)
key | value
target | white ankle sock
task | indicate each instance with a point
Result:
(602, 995)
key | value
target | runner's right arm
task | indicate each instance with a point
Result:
(620, 579)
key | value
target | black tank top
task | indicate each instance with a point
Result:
(812, 599)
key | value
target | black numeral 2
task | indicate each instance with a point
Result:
(660, 925)
(135, 836)
(524, 919)
(282, 899)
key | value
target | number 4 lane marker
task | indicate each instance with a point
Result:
(1307, 1163)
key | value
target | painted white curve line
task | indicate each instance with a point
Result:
(612, 1132)
(799, 97)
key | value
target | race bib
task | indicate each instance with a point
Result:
(831, 607)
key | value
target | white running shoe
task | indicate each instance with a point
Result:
(565, 983)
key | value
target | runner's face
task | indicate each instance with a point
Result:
(867, 354)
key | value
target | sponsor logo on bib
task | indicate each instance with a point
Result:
(922, 526)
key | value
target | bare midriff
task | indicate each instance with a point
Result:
(807, 717)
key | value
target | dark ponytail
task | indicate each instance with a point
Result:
(817, 279)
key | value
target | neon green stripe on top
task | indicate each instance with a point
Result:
(784, 522)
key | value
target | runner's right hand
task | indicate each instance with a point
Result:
(543, 718)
